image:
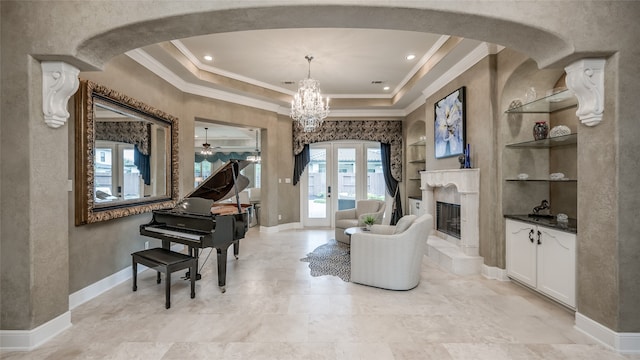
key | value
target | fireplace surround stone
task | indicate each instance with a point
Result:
(461, 258)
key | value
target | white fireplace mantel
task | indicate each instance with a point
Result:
(467, 182)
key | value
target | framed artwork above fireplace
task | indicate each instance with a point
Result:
(450, 125)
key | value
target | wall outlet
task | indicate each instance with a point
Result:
(146, 245)
(279, 217)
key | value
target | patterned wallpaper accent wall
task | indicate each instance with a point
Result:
(388, 132)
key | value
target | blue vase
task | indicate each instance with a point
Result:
(467, 157)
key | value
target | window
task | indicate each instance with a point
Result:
(376, 188)
(116, 175)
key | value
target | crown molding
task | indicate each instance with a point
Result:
(432, 51)
(144, 59)
(480, 52)
(212, 69)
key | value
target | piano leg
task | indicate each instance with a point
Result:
(222, 268)
(236, 248)
(193, 252)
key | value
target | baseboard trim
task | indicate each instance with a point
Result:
(625, 343)
(281, 227)
(494, 273)
(96, 289)
(27, 340)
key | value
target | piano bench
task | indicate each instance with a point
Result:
(165, 261)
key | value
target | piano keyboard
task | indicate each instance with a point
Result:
(182, 234)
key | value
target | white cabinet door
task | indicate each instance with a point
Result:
(415, 207)
(521, 251)
(557, 265)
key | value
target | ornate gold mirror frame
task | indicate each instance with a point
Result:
(90, 204)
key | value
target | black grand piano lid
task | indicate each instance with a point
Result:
(220, 185)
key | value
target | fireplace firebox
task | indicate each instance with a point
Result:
(448, 218)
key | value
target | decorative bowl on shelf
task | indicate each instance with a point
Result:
(560, 130)
(523, 176)
(556, 176)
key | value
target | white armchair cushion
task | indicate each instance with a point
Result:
(346, 214)
(364, 207)
(403, 224)
(383, 229)
(345, 219)
(390, 261)
(346, 223)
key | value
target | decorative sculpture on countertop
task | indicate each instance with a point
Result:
(544, 205)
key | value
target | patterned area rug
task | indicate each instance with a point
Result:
(332, 258)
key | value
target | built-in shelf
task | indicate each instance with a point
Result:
(417, 161)
(545, 180)
(571, 139)
(418, 143)
(558, 101)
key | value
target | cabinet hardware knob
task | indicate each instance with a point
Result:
(531, 236)
(539, 234)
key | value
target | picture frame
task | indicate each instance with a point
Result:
(450, 124)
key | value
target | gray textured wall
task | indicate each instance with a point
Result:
(99, 250)
(35, 281)
(120, 237)
(479, 134)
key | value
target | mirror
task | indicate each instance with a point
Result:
(126, 156)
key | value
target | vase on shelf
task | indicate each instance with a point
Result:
(540, 130)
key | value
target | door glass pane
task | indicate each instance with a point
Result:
(346, 178)
(131, 175)
(103, 175)
(317, 197)
(375, 176)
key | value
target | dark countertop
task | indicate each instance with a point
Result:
(571, 227)
(415, 197)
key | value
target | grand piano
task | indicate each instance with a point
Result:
(201, 219)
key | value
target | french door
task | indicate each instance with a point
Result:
(339, 174)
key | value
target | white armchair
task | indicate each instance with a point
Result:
(345, 219)
(390, 257)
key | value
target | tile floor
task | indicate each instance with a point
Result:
(273, 309)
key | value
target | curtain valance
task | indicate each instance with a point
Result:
(224, 157)
(136, 133)
(387, 132)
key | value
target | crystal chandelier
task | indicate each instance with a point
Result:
(206, 147)
(255, 158)
(307, 106)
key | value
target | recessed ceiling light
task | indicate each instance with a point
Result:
(410, 57)
(208, 57)
(386, 88)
